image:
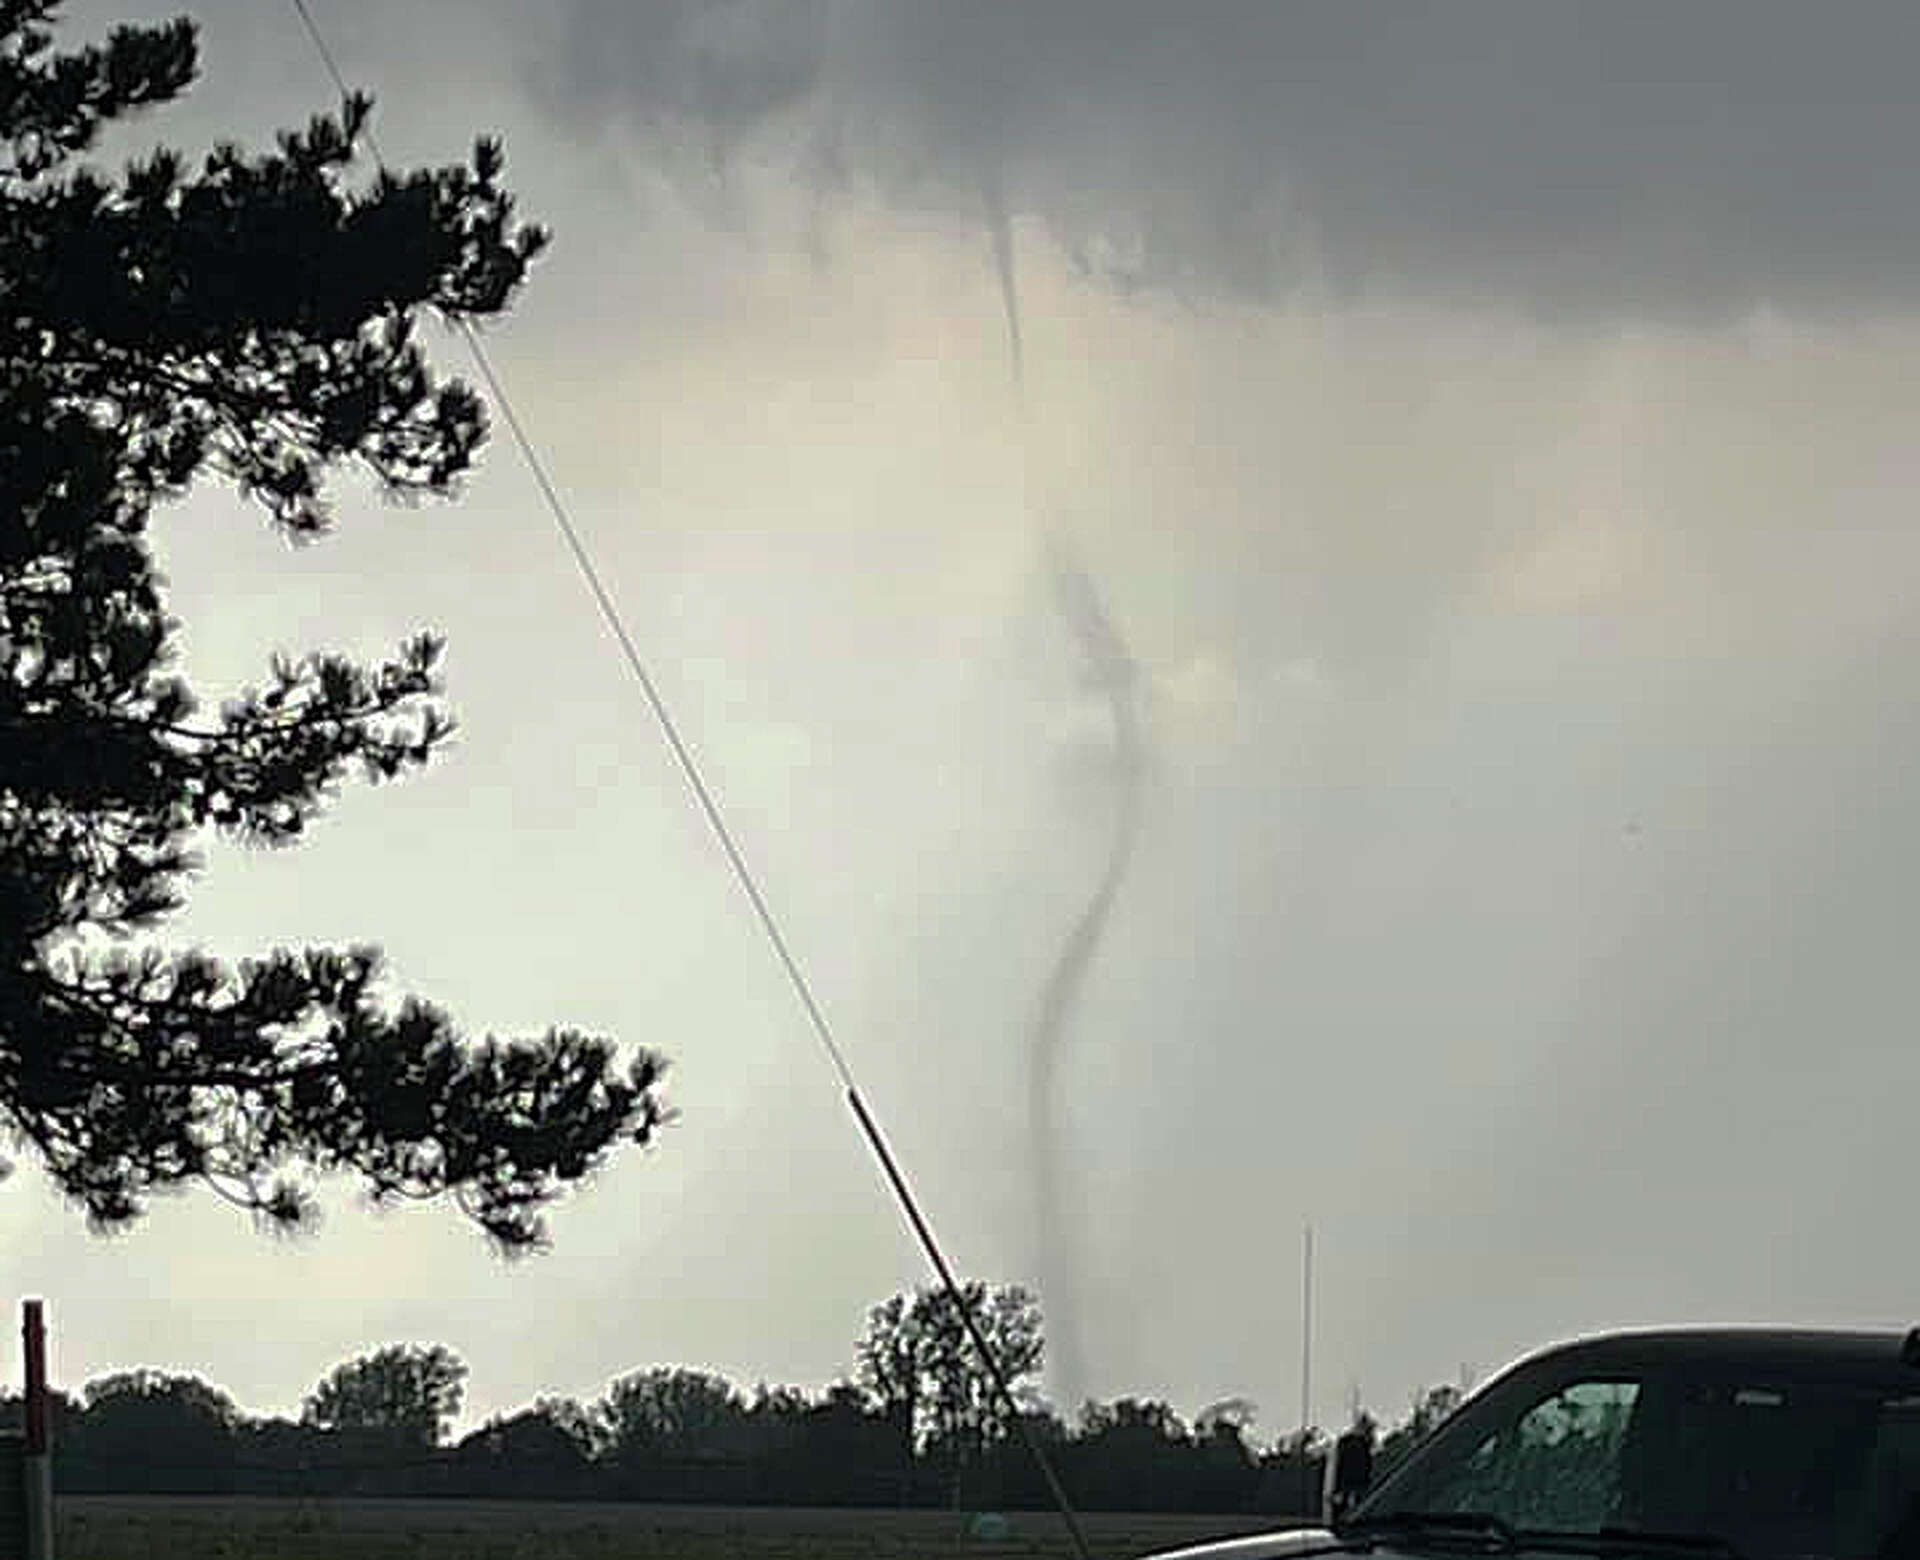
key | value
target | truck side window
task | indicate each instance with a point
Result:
(1556, 1466)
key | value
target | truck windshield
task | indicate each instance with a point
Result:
(1775, 1467)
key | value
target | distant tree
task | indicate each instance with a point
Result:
(780, 1405)
(573, 1419)
(62, 1410)
(673, 1433)
(253, 319)
(1430, 1410)
(1147, 1421)
(1225, 1475)
(671, 1412)
(1292, 1474)
(411, 1392)
(275, 1456)
(920, 1363)
(968, 1411)
(1014, 1480)
(892, 1367)
(539, 1453)
(153, 1386)
(1434, 1408)
(1133, 1454)
(148, 1430)
(841, 1451)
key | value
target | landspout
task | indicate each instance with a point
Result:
(1108, 666)
(1061, 1249)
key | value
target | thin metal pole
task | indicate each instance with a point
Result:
(1306, 1368)
(1306, 1328)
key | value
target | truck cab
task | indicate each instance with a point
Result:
(1773, 1444)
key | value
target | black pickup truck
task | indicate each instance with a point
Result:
(1745, 1444)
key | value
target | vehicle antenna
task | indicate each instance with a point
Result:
(736, 860)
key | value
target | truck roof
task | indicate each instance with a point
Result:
(1863, 1354)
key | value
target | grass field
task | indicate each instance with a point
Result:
(131, 1527)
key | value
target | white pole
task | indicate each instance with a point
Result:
(1306, 1330)
(1308, 1491)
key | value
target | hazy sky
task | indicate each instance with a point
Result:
(1489, 425)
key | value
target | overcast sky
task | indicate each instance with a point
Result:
(1489, 426)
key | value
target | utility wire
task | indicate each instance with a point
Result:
(736, 861)
(617, 627)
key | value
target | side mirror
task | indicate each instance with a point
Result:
(1349, 1473)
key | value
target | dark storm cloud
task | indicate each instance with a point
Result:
(1588, 157)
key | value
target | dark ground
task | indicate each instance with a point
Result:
(140, 1527)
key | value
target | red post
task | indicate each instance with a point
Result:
(36, 1469)
(33, 1328)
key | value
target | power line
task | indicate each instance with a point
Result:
(703, 795)
(616, 625)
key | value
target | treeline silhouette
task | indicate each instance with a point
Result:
(780, 1447)
(377, 1426)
